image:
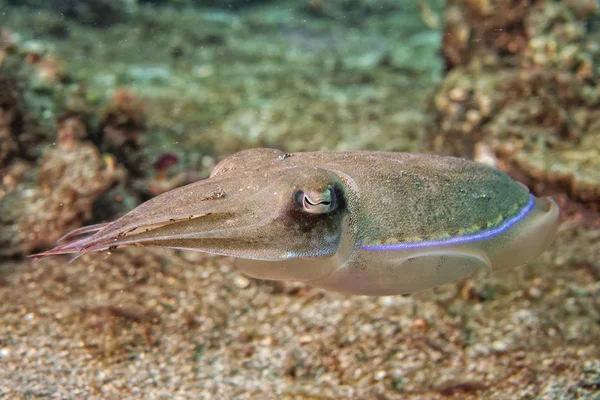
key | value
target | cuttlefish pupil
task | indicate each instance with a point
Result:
(316, 202)
(359, 222)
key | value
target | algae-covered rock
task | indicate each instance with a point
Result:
(60, 149)
(522, 88)
(10, 120)
(71, 177)
(123, 120)
(19, 130)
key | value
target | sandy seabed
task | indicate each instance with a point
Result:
(152, 323)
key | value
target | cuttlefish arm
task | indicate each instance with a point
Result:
(358, 222)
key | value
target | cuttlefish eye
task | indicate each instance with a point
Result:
(314, 202)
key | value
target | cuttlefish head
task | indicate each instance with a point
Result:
(267, 214)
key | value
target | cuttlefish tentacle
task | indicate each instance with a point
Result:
(85, 230)
(358, 222)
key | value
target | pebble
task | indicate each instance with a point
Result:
(241, 282)
(458, 94)
(499, 346)
(379, 375)
(305, 339)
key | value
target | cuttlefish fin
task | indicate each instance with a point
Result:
(428, 270)
(372, 274)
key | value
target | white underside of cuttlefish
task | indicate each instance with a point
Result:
(360, 222)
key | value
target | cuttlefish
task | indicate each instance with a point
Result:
(361, 222)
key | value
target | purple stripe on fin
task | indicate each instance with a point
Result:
(486, 234)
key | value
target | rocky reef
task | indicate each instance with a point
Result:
(522, 93)
(71, 177)
(55, 151)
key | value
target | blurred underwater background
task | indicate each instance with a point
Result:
(107, 103)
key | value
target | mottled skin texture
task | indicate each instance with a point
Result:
(408, 197)
(332, 219)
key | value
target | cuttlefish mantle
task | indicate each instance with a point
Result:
(359, 222)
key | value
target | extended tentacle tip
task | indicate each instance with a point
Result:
(85, 230)
(67, 248)
(75, 257)
(38, 256)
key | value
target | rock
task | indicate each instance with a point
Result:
(522, 85)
